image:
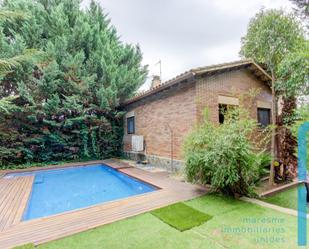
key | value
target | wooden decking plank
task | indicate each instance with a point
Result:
(5, 186)
(14, 201)
(6, 208)
(23, 201)
(5, 205)
(91, 221)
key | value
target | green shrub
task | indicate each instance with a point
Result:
(224, 156)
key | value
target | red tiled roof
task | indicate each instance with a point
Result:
(198, 71)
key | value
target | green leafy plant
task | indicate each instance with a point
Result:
(64, 107)
(224, 156)
(275, 40)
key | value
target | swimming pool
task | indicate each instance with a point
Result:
(59, 190)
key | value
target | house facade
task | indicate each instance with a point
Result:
(157, 121)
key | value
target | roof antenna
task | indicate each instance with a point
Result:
(160, 63)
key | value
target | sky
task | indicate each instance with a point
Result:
(184, 34)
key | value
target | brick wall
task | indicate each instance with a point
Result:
(234, 84)
(182, 106)
(176, 108)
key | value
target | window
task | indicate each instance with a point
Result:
(223, 108)
(131, 125)
(263, 115)
(222, 111)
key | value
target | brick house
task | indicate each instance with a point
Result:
(157, 121)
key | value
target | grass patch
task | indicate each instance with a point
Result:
(27, 246)
(216, 204)
(181, 216)
(287, 199)
(146, 231)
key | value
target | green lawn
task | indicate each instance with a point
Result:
(181, 216)
(235, 224)
(28, 246)
(287, 199)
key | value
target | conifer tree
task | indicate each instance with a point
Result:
(68, 102)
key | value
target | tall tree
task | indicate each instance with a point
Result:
(302, 9)
(69, 102)
(293, 85)
(7, 64)
(271, 35)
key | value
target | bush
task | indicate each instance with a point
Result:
(224, 156)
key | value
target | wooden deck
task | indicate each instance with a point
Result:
(14, 194)
(15, 232)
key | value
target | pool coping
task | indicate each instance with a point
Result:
(59, 166)
(53, 227)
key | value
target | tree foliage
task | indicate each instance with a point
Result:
(7, 64)
(275, 39)
(302, 9)
(293, 73)
(224, 155)
(67, 104)
(270, 36)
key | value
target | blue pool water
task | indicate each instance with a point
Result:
(59, 190)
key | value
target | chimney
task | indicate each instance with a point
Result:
(156, 81)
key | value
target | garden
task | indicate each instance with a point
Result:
(234, 224)
(64, 72)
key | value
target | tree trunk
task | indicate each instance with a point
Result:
(287, 143)
(273, 133)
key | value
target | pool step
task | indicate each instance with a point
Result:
(117, 164)
(39, 179)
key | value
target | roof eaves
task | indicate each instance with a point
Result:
(201, 70)
(262, 70)
(160, 87)
(230, 65)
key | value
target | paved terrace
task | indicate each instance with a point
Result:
(14, 193)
